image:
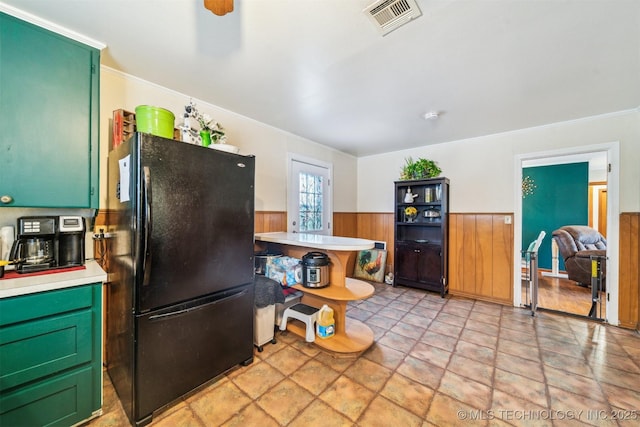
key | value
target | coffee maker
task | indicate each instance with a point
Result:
(70, 241)
(48, 242)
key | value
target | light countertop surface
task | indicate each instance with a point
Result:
(316, 241)
(93, 273)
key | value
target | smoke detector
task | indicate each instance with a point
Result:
(387, 15)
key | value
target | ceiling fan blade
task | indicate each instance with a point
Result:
(219, 7)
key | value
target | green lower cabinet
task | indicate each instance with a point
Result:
(50, 357)
(63, 400)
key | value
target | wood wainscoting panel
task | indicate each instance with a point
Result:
(345, 224)
(629, 271)
(481, 256)
(267, 221)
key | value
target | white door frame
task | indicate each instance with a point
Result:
(613, 219)
(291, 201)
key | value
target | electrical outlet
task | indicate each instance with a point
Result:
(507, 219)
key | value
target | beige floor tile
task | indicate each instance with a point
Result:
(259, 378)
(517, 349)
(517, 336)
(516, 411)
(520, 366)
(183, 417)
(452, 319)
(435, 362)
(577, 384)
(385, 356)
(219, 404)
(314, 376)
(577, 365)
(435, 339)
(421, 371)
(621, 397)
(614, 361)
(399, 342)
(427, 313)
(338, 364)
(445, 328)
(415, 320)
(479, 338)
(391, 313)
(521, 387)
(383, 322)
(565, 402)
(369, 374)
(606, 374)
(409, 394)
(476, 352)
(408, 330)
(308, 348)
(433, 355)
(384, 413)
(446, 411)
(285, 401)
(470, 392)
(472, 369)
(319, 414)
(287, 360)
(252, 415)
(401, 306)
(347, 397)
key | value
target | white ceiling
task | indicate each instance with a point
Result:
(321, 70)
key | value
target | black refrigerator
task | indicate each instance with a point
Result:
(180, 295)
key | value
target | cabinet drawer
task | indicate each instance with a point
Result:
(62, 400)
(32, 350)
(27, 307)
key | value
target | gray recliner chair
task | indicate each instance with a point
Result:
(577, 243)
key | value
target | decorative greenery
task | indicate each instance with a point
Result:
(419, 169)
(206, 123)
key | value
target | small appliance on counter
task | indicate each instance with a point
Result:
(48, 242)
(315, 270)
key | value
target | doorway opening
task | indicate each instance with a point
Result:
(309, 195)
(555, 291)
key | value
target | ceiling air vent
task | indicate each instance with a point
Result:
(387, 15)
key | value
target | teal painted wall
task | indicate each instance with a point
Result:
(560, 197)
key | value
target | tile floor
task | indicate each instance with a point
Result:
(441, 362)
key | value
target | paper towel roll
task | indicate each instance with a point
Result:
(7, 235)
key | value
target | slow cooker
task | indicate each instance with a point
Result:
(315, 270)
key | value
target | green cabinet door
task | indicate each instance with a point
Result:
(49, 108)
(50, 357)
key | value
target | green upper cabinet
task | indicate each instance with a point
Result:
(49, 106)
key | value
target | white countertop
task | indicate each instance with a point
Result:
(93, 273)
(316, 241)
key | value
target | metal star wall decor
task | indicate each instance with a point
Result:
(528, 186)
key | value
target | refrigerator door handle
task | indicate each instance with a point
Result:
(197, 307)
(146, 263)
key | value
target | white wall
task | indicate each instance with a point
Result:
(481, 169)
(268, 144)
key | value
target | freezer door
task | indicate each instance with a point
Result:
(182, 347)
(197, 221)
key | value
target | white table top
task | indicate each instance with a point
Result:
(316, 241)
(92, 273)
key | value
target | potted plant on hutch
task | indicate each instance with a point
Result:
(419, 169)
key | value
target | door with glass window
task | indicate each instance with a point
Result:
(309, 195)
